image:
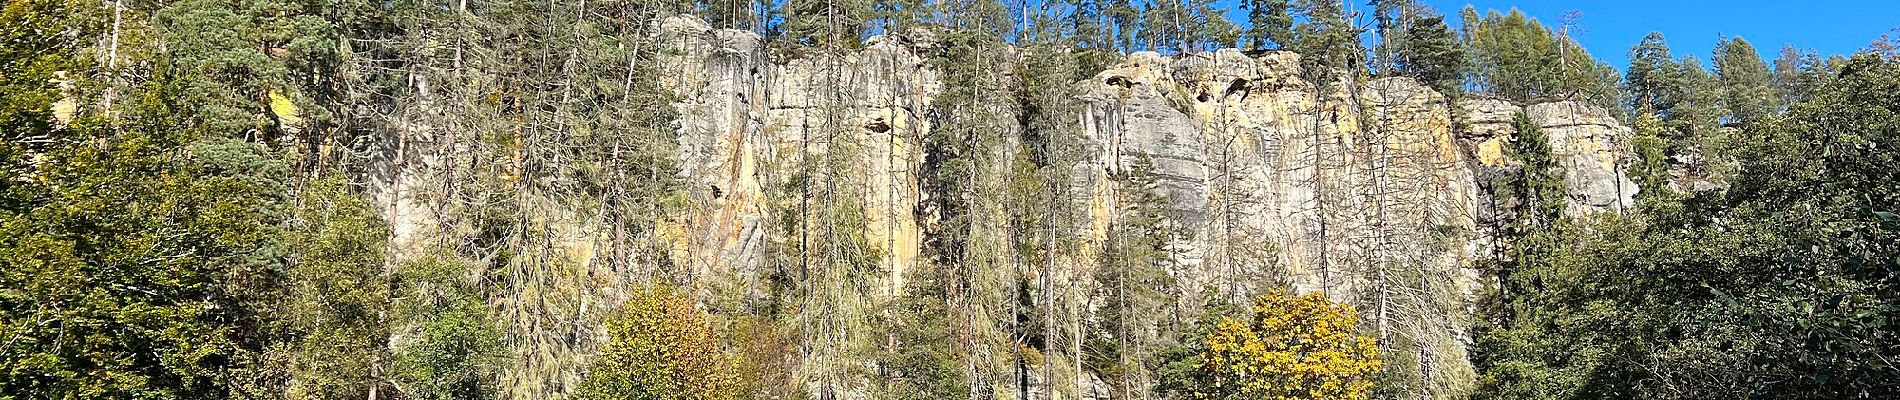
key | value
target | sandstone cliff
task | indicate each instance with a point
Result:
(1367, 192)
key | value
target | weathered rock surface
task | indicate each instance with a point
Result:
(745, 119)
(1353, 190)
(1590, 145)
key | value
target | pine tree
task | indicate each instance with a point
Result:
(1165, 26)
(1125, 18)
(1746, 82)
(1684, 102)
(1653, 78)
(733, 14)
(1269, 22)
(1797, 74)
(1211, 27)
(830, 24)
(895, 16)
(1328, 42)
(1391, 22)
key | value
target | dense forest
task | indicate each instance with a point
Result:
(208, 199)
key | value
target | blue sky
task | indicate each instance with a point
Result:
(1610, 27)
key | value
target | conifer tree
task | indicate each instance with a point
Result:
(1269, 22)
(1746, 81)
(1133, 280)
(733, 14)
(1517, 57)
(1653, 78)
(1797, 73)
(1391, 20)
(1431, 52)
(1124, 18)
(1328, 42)
(1538, 184)
(1165, 25)
(830, 24)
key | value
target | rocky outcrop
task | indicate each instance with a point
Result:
(1590, 145)
(745, 121)
(1365, 191)
(1353, 190)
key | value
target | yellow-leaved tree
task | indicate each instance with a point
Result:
(1293, 347)
(661, 347)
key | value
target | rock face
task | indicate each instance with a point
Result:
(1351, 191)
(745, 120)
(1365, 191)
(1252, 156)
(1588, 143)
(1270, 178)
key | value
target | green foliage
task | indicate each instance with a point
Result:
(32, 58)
(1180, 372)
(928, 354)
(1133, 281)
(1798, 73)
(1185, 25)
(1746, 82)
(661, 347)
(1779, 287)
(1653, 78)
(1538, 187)
(337, 295)
(1125, 17)
(451, 347)
(829, 24)
(149, 252)
(1684, 100)
(1328, 42)
(1650, 168)
(1430, 51)
(1518, 58)
(733, 14)
(1269, 22)
(220, 58)
(1414, 41)
(134, 271)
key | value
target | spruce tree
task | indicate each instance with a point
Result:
(1133, 279)
(1432, 53)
